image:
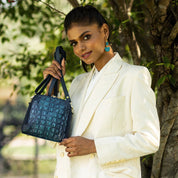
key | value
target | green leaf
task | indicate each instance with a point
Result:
(160, 64)
(5, 39)
(125, 21)
(161, 80)
(172, 66)
(172, 80)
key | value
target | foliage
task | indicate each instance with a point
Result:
(33, 20)
(10, 120)
(36, 20)
(23, 168)
(143, 31)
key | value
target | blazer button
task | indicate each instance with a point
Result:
(62, 154)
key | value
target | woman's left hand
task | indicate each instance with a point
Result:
(77, 146)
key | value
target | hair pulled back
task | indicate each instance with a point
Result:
(84, 15)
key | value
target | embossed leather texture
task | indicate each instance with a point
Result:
(49, 117)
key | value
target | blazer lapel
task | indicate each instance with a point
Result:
(101, 88)
(82, 101)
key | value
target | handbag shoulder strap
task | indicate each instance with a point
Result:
(40, 88)
(53, 84)
(58, 55)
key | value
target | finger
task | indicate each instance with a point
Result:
(63, 66)
(51, 72)
(59, 67)
(63, 62)
(54, 69)
(66, 142)
(54, 62)
(70, 149)
(72, 154)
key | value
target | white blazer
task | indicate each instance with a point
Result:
(120, 115)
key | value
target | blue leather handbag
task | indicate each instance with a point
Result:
(49, 117)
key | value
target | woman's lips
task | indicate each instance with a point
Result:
(86, 55)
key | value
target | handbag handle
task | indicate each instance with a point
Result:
(58, 55)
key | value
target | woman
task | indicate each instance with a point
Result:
(115, 120)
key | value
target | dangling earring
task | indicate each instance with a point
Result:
(107, 48)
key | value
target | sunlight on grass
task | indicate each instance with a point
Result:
(27, 152)
(20, 155)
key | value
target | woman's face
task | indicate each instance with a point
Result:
(88, 42)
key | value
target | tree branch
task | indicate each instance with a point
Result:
(163, 5)
(129, 6)
(13, 121)
(173, 34)
(166, 127)
(145, 46)
(150, 6)
(120, 4)
(8, 138)
(74, 3)
(157, 159)
(173, 12)
(60, 12)
(121, 12)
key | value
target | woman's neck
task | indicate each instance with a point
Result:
(107, 56)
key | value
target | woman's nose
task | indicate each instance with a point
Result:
(81, 47)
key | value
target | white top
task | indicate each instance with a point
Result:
(93, 80)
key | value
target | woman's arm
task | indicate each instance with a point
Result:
(143, 140)
(145, 136)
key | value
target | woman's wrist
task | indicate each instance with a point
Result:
(92, 147)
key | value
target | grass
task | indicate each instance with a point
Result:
(20, 159)
(26, 167)
(27, 152)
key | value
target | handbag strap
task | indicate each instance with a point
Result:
(40, 88)
(58, 55)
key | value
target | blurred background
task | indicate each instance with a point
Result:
(143, 32)
(30, 31)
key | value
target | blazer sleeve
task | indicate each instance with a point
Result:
(145, 135)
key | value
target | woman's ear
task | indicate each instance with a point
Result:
(105, 30)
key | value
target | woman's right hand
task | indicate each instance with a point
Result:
(54, 70)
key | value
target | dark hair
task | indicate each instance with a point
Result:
(84, 15)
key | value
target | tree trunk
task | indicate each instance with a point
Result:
(121, 10)
(36, 151)
(165, 160)
(164, 31)
(165, 163)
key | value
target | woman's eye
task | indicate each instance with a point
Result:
(73, 44)
(86, 37)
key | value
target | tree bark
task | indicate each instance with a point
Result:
(122, 10)
(164, 32)
(164, 28)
